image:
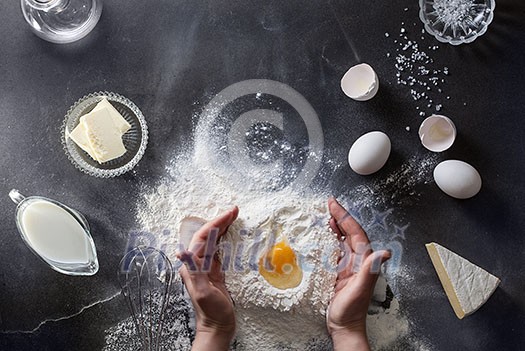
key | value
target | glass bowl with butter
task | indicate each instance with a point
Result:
(104, 134)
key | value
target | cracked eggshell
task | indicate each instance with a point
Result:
(369, 153)
(437, 133)
(457, 179)
(360, 82)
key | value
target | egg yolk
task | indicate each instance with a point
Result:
(279, 267)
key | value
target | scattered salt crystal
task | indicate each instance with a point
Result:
(415, 68)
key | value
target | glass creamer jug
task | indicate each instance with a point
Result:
(62, 21)
(56, 233)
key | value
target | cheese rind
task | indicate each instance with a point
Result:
(104, 137)
(467, 286)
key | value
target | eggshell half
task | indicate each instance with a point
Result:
(369, 153)
(437, 133)
(360, 82)
(457, 179)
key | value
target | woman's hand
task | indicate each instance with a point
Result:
(204, 280)
(357, 275)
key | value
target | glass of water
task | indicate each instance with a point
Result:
(62, 21)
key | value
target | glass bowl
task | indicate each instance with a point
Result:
(135, 140)
(456, 21)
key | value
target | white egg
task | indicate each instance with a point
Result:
(369, 153)
(457, 179)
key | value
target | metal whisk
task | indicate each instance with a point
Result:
(145, 275)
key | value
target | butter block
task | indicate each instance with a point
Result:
(105, 138)
(467, 286)
(79, 136)
(122, 125)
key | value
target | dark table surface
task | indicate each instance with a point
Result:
(171, 57)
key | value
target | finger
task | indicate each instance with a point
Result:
(367, 276)
(198, 280)
(217, 226)
(217, 274)
(335, 228)
(361, 253)
(355, 235)
(188, 259)
(187, 281)
(344, 249)
(351, 260)
(185, 276)
(364, 281)
(345, 264)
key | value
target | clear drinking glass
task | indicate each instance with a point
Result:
(56, 233)
(62, 21)
(456, 21)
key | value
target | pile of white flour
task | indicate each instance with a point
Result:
(202, 183)
(302, 219)
(268, 318)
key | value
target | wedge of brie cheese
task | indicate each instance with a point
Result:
(467, 286)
